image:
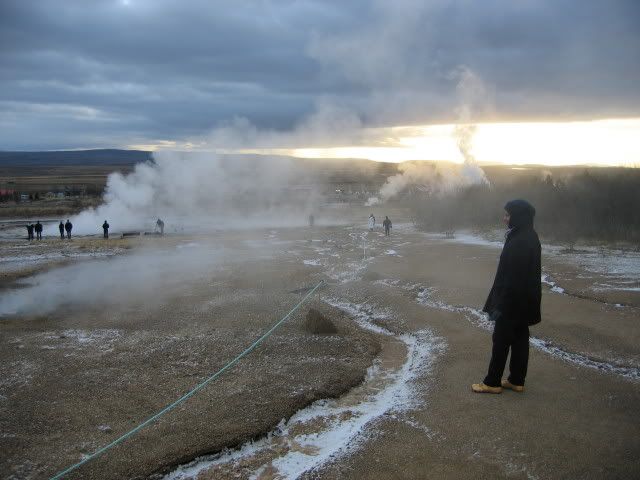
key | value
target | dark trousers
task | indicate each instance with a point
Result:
(386, 231)
(39, 235)
(508, 335)
(106, 233)
(68, 234)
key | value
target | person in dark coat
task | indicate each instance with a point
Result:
(387, 225)
(30, 232)
(68, 226)
(61, 228)
(514, 300)
(105, 229)
(38, 229)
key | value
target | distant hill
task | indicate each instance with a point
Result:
(74, 157)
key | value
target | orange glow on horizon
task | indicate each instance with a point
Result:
(603, 142)
(611, 142)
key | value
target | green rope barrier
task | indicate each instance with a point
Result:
(188, 394)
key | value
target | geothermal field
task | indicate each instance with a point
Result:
(369, 377)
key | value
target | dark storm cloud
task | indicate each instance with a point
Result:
(111, 73)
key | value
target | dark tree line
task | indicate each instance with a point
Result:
(594, 205)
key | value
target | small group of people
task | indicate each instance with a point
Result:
(386, 224)
(65, 227)
(37, 228)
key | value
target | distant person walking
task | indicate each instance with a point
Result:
(68, 227)
(311, 220)
(38, 229)
(372, 222)
(514, 300)
(61, 228)
(30, 231)
(105, 229)
(387, 225)
(160, 226)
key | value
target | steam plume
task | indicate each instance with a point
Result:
(203, 191)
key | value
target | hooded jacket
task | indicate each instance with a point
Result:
(516, 292)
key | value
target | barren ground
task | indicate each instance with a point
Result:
(410, 341)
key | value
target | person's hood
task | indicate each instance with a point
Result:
(521, 213)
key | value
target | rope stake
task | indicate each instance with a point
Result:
(188, 394)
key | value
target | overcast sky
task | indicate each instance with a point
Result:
(113, 73)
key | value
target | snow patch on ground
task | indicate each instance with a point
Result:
(9, 263)
(426, 296)
(583, 360)
(468, 238)
(599, 287)
(315, 262)
(349, 272)
(618, 264)
(291, 451)
(544, 278)
(73, 338)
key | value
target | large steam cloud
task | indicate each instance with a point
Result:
(430, 178)
(204, 191)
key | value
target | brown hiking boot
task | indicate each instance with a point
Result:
(482, 388)
(516, 388)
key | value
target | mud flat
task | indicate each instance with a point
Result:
(387, 396)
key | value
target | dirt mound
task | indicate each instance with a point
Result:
(316, 322)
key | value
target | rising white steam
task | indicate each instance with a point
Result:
(202, 192)
(329, 124)
(472, 98)
(146, 278)
(435, 179)
(439, 179)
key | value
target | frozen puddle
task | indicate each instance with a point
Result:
(425, 296)
(329, 429)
